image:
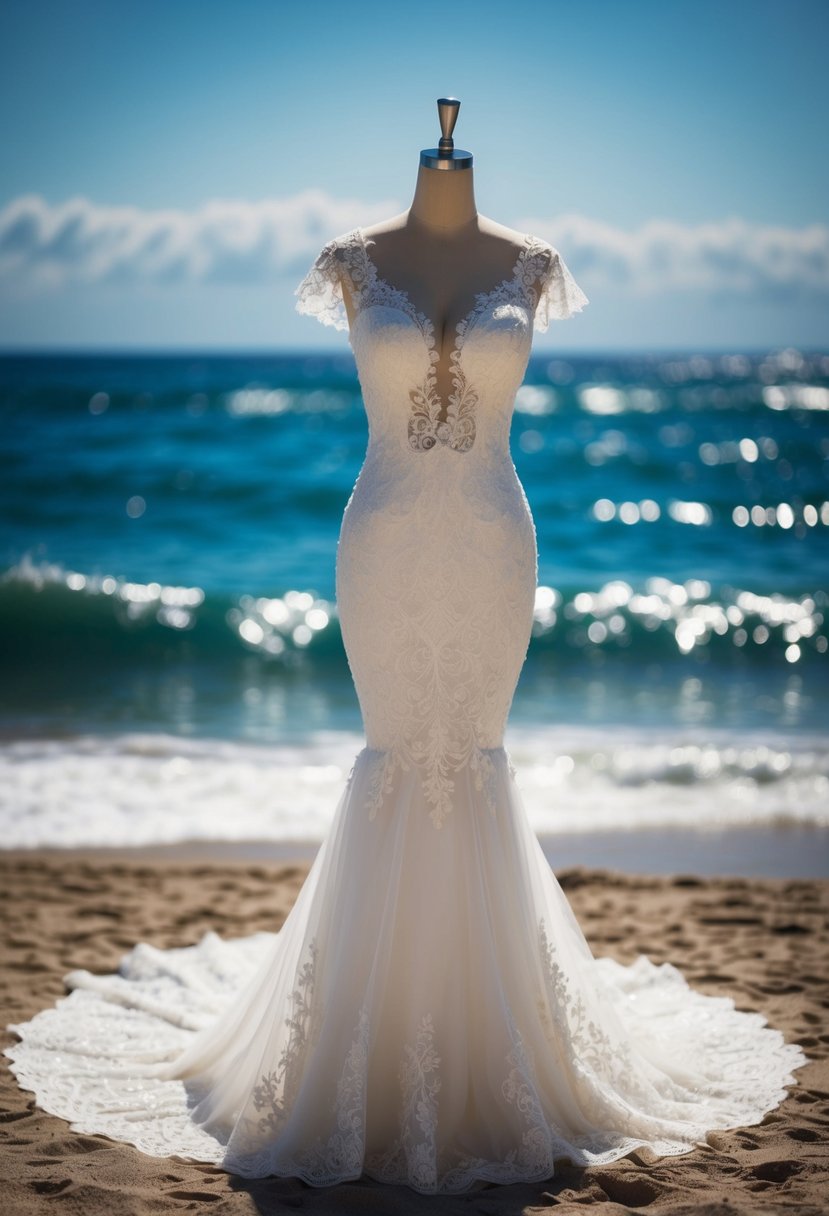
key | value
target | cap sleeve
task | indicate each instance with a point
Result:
(320, 294)
(559, 293)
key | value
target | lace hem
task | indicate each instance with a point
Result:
(124, 1094)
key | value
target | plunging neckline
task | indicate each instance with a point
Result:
(427, 327)
(430, 421)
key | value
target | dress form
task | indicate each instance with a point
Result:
(442, 252)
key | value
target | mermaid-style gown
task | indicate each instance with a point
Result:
(430, 1012)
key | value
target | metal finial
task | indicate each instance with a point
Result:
(446, 155)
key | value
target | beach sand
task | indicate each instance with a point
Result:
(762, 941)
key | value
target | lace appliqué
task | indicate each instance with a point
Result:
(276, 1090)
(342, 1153)
(420, 1084)
(589, 1050)
(436, 767)
(416, 1153)
(519, 1088)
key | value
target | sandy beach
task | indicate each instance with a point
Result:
(762, 941)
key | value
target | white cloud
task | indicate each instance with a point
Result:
(228, 240)
(724, 256)
(224, 240)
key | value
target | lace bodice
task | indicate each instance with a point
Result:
(437, 561)
(396, 350)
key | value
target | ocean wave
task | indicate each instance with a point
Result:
(135, 790)
(47, 609)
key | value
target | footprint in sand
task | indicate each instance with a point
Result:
(775, 1171)
(805, 1134)
(45, 1186)
(200, 1196)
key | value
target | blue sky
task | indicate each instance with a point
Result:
(172, 168)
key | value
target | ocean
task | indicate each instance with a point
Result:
(172, 666)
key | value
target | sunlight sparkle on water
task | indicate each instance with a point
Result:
(280, 626)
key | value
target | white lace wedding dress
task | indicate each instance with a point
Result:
(430, 1012)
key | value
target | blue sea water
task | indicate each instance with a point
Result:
(167, 619)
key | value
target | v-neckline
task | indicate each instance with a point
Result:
(424, 323)
(433, 421)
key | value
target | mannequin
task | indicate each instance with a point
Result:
(441, 251)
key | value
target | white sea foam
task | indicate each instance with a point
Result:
(135, 790)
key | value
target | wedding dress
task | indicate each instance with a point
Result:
(430, 1012)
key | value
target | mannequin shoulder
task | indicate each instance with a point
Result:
(510, 239)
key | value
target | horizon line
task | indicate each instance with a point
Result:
(24, 351)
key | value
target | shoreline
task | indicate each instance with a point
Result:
(787, 852)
